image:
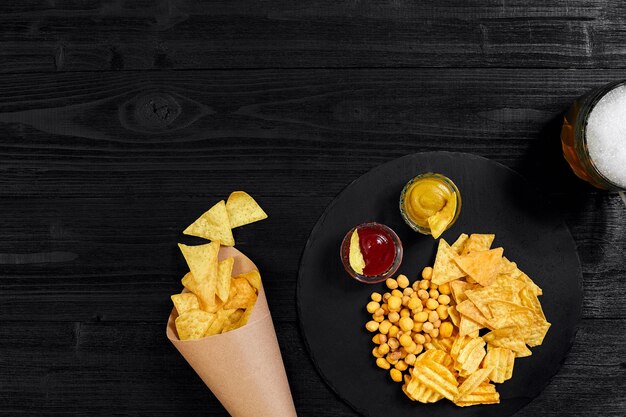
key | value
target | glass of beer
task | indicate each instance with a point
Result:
(594, 137)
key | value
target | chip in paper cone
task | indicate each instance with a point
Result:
(242, 367)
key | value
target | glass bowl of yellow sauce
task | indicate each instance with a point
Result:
(430, 203)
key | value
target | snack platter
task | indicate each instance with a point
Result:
(505, 278)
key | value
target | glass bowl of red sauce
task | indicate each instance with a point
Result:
(381, 249)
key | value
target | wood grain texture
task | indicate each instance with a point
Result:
(38, 36)
(130, 369)
(100, 171)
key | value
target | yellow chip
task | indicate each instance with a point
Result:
(458, 289)
(470, 356)
(213, 225)
(507, 266)
(484, 394)
(220, 322)
(467, 326)
(185, 302)
(444, 269)
(477, 243)
(243, 209)
(454, 316)
(530, 300)
(525, 278)
(506, 314)
(502, 361)
(356, 257)
(443, 343)
(224, 271)
(242, 294)
(202, 261)
(439, 356)
(508, 338)
(459, 342)
(468, 309)
(459, 243)
(472, 382)
(253, 278)
(438, 222)
(193, 324)
(436, 377)
(481, 266)
(417, 391)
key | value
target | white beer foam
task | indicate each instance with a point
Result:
(606, 136)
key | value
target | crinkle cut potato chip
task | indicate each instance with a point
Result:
(213, 225)
(476, 288)
(501, 360)
(243, 209)
(444, 269)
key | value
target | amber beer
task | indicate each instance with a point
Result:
(594, 137)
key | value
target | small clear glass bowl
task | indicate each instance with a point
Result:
(371, 279)
(446, 181)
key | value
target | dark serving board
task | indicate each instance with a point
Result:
(331, 305)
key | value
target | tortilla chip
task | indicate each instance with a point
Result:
(213, 225)
(193, 324)
(478, 242)
(242, 294)
(243, 209)
(459, 243)
(185, 302)
(253, 278)
(481, 266)
(444, 269)
(202, 261)
(224, 270)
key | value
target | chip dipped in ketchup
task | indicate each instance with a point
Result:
(371, 252)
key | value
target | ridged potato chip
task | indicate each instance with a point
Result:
(436, 377)
(417, 391)
(483, 394)
(501, 361)
(213, 225)
(243, 209)
(470, 356)
(472, 382)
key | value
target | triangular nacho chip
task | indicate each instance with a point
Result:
(459, 243)
(224, 270)
(185, 302)
(478, 242)
(481, 266)
(242, 294)
(439, 222)
(193, 324)
(213, 225)
(243, 209)
(253, 278)
(202, 261)
(444, 269)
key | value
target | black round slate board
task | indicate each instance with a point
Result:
(331, 305)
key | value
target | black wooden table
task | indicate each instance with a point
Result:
(120, 122)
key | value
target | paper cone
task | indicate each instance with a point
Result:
(242, 367)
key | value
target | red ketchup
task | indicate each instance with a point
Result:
(378, 249)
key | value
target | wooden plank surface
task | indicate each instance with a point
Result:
(104, 160)
(131, 369)
(38, 36)
(100, 172)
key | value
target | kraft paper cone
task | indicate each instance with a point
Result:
(243, 367)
